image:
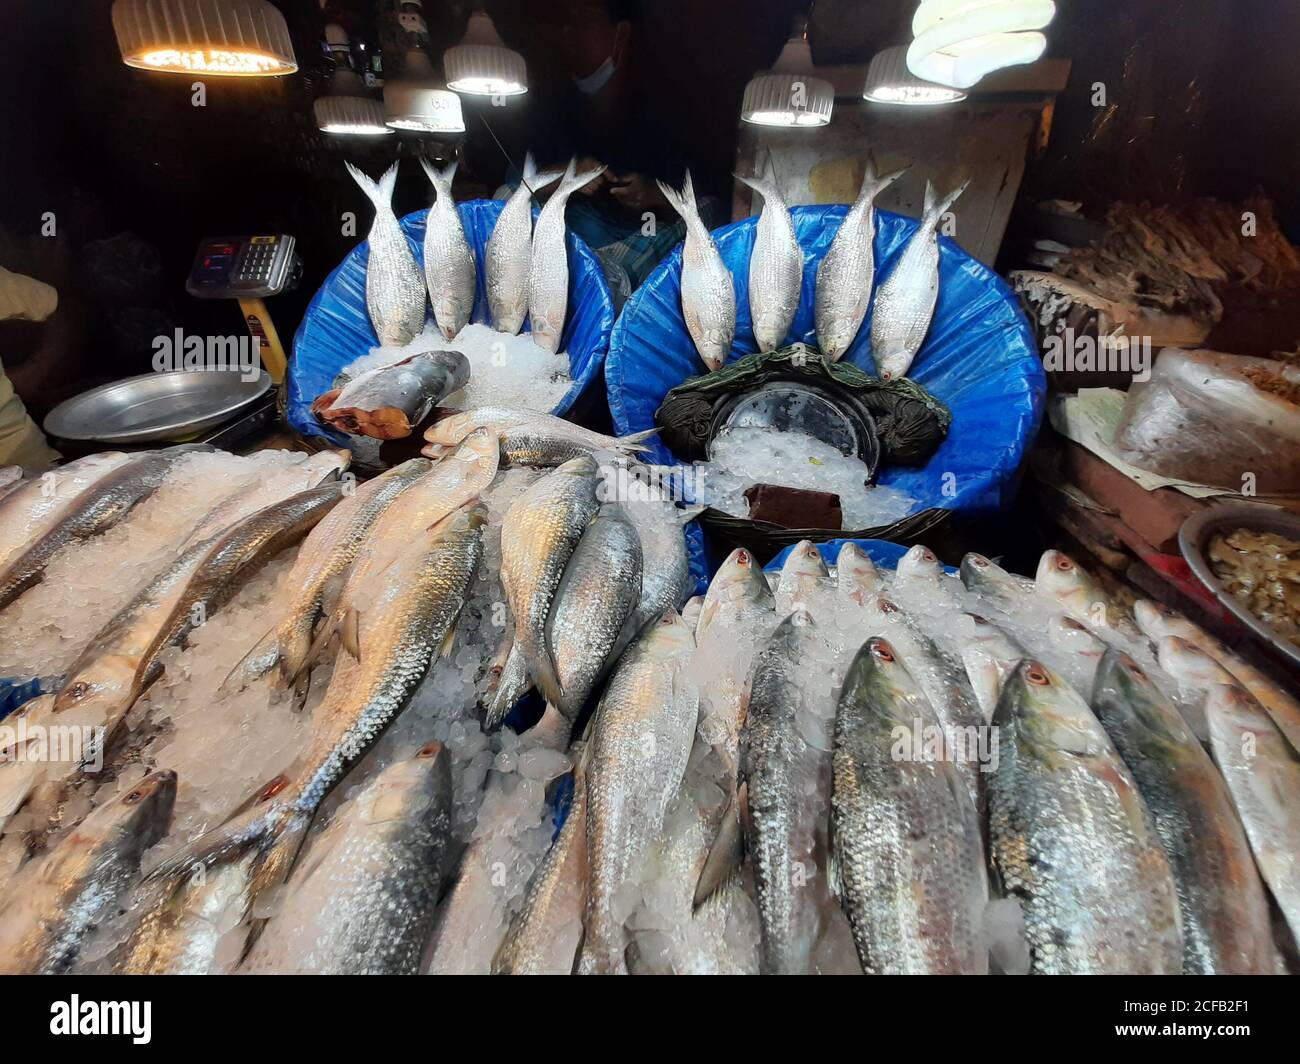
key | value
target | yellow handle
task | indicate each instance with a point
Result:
(263, 330)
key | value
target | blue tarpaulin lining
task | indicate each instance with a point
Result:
(336, 328)
(882, 552)
(980, 357)
(15, 691)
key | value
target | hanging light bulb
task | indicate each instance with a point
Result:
(347, 108)
(789, 94)
(889, 81)
(236, 38)
(418, 102)
(959, 42)
(482, 65)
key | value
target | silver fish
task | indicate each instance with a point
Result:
(857, 579)
(640, 741)
(33, 508)
(448, 260)
(1226, 927)
(91, 511)
(395, 298)
(509, 681)
(906, 298)
(538, 536)
(708, 294)
(909, 860)
(787, 784)
(1073, 841)
(600, 588)
(846, 274)
(989, 656)
(993, 584)
(509, 253)
(805, 580)
(1062, 580)
(57, 899)
(388, 403)
(396, 635)
(548, 276)
(363, 900)
(531, 438)
(544, 935)
(1262, 771)
(775, 264)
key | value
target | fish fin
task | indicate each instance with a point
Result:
(688, 194)
(571, 181)
(379, 192)
(447, 641)
(268, 790)
(635, 441)
(325, 400)
(350, 632)
(758, 184)
(724, 857)
(929, 199)
(687, 514)
(537, 181)
(253, 665)
(673, 198)
(301, 689)
(548, 684)
(440, 179)
(249, 828)
(316, 651)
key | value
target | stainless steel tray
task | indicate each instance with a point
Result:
(176, 405)
(1194, 540)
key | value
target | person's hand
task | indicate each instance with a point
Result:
(636, 191)
(596, 183)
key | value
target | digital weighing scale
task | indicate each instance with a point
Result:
(248, 269)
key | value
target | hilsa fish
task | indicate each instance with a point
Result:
(548, 276)
(448, 260)
(905, 301)
(775, 264)
(388, 403)
(708, 294)
(530, 438)
(509, 253)
(847, 272)
(394, 284)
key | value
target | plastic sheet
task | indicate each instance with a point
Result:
(336, 328)
(1200, 418)
(979, 358)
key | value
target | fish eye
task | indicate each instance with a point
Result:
(1064, 564)
(1037, 676)
(133, 797)
(883, 651)
(79, 689)
(979, 562)
(978, 620)
(429, 750)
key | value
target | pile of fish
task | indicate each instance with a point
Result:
(527, 276)
(904, 300)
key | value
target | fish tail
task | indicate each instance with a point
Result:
(674, 198)
(572, 181)
(935, 208)
(535, 181)
(764, 186)
(261, 659)
(874, 182)
(380, 192)
(441, 179)
(635, 441)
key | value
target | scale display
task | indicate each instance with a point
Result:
(241, 267)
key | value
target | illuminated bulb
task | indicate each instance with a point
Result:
(889, 81)
(418, 103)
(482, 65)
(789, 95)
(225, 38)
(959, 42)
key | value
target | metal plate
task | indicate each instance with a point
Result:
(156, 406)
(1194, 541)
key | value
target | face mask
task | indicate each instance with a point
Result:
(597, 79)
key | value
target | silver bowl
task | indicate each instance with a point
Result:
(1194, 541)
(175, 405)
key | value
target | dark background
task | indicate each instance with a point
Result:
(1203, 99)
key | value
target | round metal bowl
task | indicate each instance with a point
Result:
(175, 405)
(1194, 542)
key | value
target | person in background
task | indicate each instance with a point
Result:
(22, 299)
(611, 115)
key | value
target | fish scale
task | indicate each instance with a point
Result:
(775, 264)
(707, 292)
(509, 252)
(1072, 839)
(548, 275)
(448, 260)
(905, 835)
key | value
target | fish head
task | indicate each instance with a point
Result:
(978, 573)
(482, 445)
(739, 583)
(1234, 715)
(1158, 621)
(672, 635)
(856, 573)
(892, 363)
(1049, 718)
(145, 810)
(1058, 574)
(1189, 664)
(408, 790)
(878, 681)
(1071, 635)
(1123, 688)
(96, 692)
(452, 428)
(804, 559)
(919, 562)
(992, 641)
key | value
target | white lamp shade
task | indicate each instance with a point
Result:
(889, 81)
(790, 95)
(417, 102)
(482, 65)
(959, 42)
(347, 109)
(228, 38)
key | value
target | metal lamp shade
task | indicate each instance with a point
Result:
(482, 65)
(890, 82)
(227, 38)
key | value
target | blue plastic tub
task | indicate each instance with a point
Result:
(980, 357)
(336, 328)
